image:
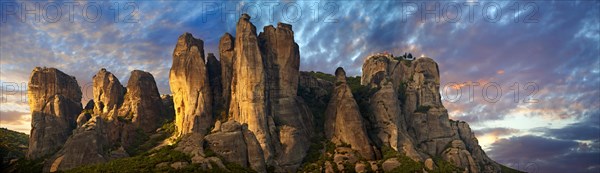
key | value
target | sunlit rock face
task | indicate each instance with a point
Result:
(190, 86)
(55, 102)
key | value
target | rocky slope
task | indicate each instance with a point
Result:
(253, 110)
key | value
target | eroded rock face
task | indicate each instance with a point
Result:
(458, 155)
(88, 145)
(343, 122)
(248, 100)
(143, 105)
(108, 94)
(190, 86)
(214, 76)
(227, 57)
(463, 132)
(294, 121)
(237, 144)
(55, 102)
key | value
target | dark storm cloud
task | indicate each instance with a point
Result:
(539, 154)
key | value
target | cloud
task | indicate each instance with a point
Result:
(540, 154)
(14, 117)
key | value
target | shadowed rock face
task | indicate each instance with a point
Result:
(108, 93)
(55, 102)
(343, 122)
(294, 121)
(143, 105)
(214, 75)
(417, 122)
(227, 58)
(190, 86)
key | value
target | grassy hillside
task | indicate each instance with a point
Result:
(13, 145)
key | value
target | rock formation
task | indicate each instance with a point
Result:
(227, 58)
(108, 94)
(143, 105)
(248, 100)
(214, 77)
(254, 108)
(417, 118)
(190, 86)
(88, 145)
(291, 117)
(55, 102)
(237, 144)
(343, 122)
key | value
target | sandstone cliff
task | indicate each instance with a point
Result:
(55, 102)
(190, 86)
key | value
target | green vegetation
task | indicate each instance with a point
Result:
(406, 164)
(147, 162)
(324, 76)
(444, 166)
(25, 166)
(402, 91)
(143, 163)
(88, 111)
(506, 169)
(315, 102)
(404, 59)
(169, 127)
(362, 94)
(13, 144)
(423, 108)
(319, 152)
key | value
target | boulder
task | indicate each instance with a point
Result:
(55, 102)
(189, 83)
(460, 157)
(389, 164)
(237, 144)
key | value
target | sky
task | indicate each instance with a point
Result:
(524, 74)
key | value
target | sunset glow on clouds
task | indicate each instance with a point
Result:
(550, 47)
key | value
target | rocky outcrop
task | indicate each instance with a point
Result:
(190, 86)
(227, 58)
(55, 102)
(88, 145)
(417, 119)
(237, 144)
(463, 133)
(108, 94)
(290, 115)
(143, 105)
(248, 100)
(214, 77)
(343, 122)
(458, 155)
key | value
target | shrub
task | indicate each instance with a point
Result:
(423, 108)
